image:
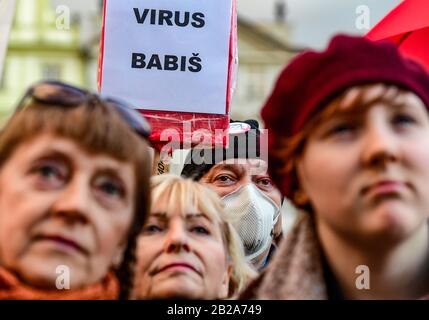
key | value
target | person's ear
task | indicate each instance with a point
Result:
(224, 290)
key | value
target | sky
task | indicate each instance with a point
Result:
(313, 22)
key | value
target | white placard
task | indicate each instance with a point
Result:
(7, 9)
(168, 55)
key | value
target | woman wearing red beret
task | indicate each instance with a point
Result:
(349, 137)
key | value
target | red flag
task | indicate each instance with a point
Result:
(407, 26)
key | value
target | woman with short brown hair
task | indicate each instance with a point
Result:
(74, 193)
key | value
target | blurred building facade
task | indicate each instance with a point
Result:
(45, 43)
(263, 52)
(43, 46)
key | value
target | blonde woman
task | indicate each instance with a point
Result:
(188, 249)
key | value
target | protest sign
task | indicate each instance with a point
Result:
(7, 9)
(173, 59)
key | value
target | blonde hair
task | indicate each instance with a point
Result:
(177, 192)
(356, 98)
(98, 129)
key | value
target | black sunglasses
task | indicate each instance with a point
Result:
(65, 95)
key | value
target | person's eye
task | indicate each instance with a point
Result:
(341, 130)
(110, 187)
(265, 182)
(224, 179)
(48, 171)
(151, 229)
(403, 119)
(201, 230)
(49, 174)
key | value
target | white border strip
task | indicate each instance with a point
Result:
(7, 9)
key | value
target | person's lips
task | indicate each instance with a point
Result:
(384, 187)
(178, 266)
(62, 241)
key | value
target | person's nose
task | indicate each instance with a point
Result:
(73, 203)
(176, 239)
(380, 146)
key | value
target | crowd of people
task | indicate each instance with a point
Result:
(82, 216)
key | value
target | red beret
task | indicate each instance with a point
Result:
(313, 79)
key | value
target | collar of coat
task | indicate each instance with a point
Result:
(297, 271)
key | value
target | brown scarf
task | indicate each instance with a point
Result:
(11, 288)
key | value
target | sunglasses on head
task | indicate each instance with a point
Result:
(64, 95)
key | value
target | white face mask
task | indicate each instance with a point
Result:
(254, 215)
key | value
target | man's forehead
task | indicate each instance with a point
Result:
(250, 166)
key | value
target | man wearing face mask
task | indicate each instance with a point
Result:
(239, 175)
